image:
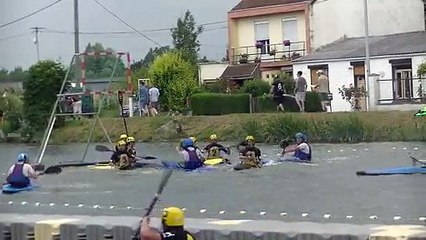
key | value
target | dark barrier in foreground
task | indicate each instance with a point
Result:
(46, 227)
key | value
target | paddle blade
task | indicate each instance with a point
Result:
(149, 157)
(38, 167)
(102, 148)
(164, 180)
(53, 170)
(120, 97)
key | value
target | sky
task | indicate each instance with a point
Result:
(56, 41)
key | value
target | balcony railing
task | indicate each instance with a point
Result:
(389, 91)
(285, 51)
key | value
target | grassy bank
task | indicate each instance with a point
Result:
(271, 128)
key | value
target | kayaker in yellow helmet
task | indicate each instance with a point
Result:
(131, 148)
(214, 149)
(123, 137)
(172, 221)
(250, 156)
(120, 157)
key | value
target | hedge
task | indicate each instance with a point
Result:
(218, 104)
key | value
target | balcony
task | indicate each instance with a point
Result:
(264, 52)
(390, 91)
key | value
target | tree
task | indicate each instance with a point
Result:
(11, 108)
(18, 74)
(149, 58)
(40, 89)
(185, 37)
(256, 87)
(175, 79)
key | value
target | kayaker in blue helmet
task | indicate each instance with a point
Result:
(19, 174)
(302, 151)
(193, 156)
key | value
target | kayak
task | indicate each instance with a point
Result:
(393, 171)
(8, 189)
(214, 161)
(421, 113)
(178, 166)
(295, 160)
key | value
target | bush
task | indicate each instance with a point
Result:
(218, 104)
(11, 107)
(255, 87)
(40, 91)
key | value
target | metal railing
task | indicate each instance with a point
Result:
(285, 51)
(392, 91)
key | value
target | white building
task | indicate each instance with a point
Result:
(210, 72)
(394, 58)
(331, 20)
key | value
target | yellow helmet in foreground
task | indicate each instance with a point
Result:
(173, 217)
(250, 138)
(123, 137)
(121, 143)
(194, 140)
(130, 139)
(213, 137)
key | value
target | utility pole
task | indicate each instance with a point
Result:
(367, 53)
(36, 41)
(76, 44)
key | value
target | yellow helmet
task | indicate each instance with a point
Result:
(123, 137)
(121, 143)
(194, 140)
(173, 217)
(249, 138)
(130, 139)
(213, 137)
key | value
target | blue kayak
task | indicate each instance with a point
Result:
(8, 189)
(393, 171)
(179, 166)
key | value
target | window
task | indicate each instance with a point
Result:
(267, 75)
(261, 31)
(290, 30)
(403, 87)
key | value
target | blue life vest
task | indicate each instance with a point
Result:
(304, 156)
(17, 178)
(194, 161)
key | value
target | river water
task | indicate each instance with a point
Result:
(327, 192)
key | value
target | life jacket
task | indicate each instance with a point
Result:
(214, 152)
(17, 177)
(194, 161)
(304, 156)
(180, 235)
(279, 89)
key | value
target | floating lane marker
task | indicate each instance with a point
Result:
(326, 215)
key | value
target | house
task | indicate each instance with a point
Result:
(394, 62)
(331, 20)
(210, 72)
(269, 32)
(240, 73)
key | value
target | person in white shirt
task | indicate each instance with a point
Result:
(154, 94)
(302, 151)
(19, 174)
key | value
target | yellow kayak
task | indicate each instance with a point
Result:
(209, 162)
(214, 161)
(100, 166)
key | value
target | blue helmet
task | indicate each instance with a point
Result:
(300, 136)
(22, 157)
(187, 142)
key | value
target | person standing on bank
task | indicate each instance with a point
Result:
(277, 91)
(154, 95)
(143, 100)
(300, 91)
(323, 89)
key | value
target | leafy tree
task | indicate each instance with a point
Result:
(256, 87)
(149, 57)
(11, 106)
(18, 74)
(185, 37)
(40, 89)
(175, 79)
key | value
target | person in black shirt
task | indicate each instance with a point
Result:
(277, 92)
(215, 149)
(250, 156)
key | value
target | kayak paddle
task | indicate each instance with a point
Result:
(120, 101)
(52, 170)
(415, 160)
(163, 183)
(102, 148)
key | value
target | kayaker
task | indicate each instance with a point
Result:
(19, 174)
(131, 148)
(193, 157)
(250, 156)
(302, 151)
(120, 157)
(172, 222)
(216, 150)
(123, 137)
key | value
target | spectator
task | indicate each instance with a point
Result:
(300, 91)
(323, 89)
(76, 106)
(143, 100)
(154, 94)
